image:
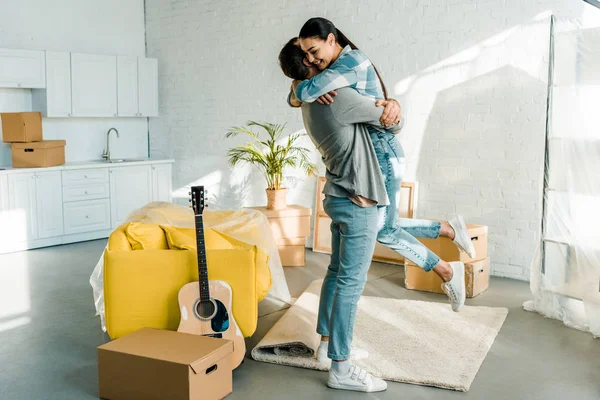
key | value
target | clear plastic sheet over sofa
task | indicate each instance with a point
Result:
(249, 226)
(565, 273)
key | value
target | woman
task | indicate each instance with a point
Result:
(343, 65)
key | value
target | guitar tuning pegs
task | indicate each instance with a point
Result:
(190, 193)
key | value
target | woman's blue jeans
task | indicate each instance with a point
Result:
(397, 233)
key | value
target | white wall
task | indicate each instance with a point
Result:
(471, 76)
(101, 27)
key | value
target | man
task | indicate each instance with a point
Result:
(355, 195)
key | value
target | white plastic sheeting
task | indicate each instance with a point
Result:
(248, 226)
(565, 273)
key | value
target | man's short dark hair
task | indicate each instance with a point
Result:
(291, 61)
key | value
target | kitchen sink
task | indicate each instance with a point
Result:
(123, 160)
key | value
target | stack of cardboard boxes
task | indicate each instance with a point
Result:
(291, 227)
(477, 270)
(24, 131)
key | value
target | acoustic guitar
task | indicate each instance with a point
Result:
(206, 305)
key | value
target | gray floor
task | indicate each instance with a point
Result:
(54, 355)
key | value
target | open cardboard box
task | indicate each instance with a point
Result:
(155, 364)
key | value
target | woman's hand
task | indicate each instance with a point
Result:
(327, 98)
(391, 113)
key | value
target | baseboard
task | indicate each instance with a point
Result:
(8, 247)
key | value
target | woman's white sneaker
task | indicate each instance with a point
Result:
(461, 236)
(356, 379)
(455, 288)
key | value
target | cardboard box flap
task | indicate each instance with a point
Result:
(477, 230)
(171, 346)
(200, 366)
(291, 210)
(44, 144)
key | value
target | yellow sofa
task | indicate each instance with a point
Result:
(143, 273)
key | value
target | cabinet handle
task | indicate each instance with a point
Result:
(86, 192)
(85, 176)
(18, 84)
(69, 114)
(116, 115)
(87, 217)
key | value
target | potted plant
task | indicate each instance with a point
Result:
(271, 158)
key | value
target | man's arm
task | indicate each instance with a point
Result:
(292, 99)
(352, 108)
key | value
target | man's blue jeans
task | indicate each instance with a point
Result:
(353, 237)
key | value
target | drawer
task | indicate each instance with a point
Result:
(86, 192)
(85, 176)
(86, 216)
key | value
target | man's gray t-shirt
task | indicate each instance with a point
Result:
(339, 132)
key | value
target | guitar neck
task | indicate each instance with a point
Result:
(202, 269)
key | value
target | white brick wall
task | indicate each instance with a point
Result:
(471, 76)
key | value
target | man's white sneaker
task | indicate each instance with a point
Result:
(455, 288)
(356, 379)
(355, 354)
(461, 235)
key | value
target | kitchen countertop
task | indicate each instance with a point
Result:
(88, 164)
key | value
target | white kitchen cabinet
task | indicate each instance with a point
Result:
(22, 69)
(41, 207)
(161, 183)
(3, 194)
(49, 201)
(148, 87)
(127, 86)
(55, 100)
(22, 207)
(5, 233)
(137, 86)
(94, 85)
(130, 188)
(35, 205)
(87, 216)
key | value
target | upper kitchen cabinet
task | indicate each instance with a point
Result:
(55, 100)
(148, 86)
(93, 85)
(127, 86)
(22, 69)
(137, 86)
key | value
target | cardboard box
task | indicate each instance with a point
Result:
(448, 251)
(46, 153)
(155, 364)
(477, 278)
(291, 222)
(21, 127)
(292, 251)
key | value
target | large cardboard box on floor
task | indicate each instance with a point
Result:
(477, 278)
(291, 222)
(47, 153)
(155, 364)
(292, 251)
(21, 127)
(447, 250)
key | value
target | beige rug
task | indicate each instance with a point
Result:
(409, 341)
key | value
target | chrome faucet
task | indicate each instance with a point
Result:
(106, 154)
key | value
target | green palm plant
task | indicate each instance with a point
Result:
(272, 159)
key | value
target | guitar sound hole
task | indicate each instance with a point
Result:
(205, 309)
